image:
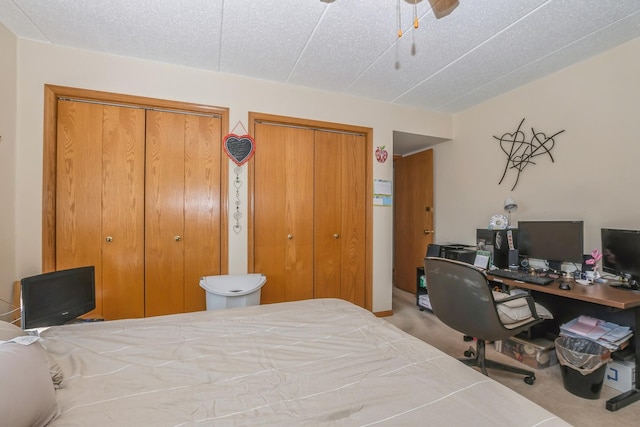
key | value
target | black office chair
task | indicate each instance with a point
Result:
(461, 297)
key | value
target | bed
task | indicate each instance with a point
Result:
(306, 363)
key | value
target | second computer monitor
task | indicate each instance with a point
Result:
(621, 252)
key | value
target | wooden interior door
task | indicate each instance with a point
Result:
(79, 189)
(122, 231)
(283, 212)
(202, 225)
(164, 213)
(413, 216)
(339, 225)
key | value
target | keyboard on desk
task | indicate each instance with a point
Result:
(521, 276)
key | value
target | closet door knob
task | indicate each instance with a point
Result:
(289, 236)
(337, 236)
(109, 239)
(178, 238)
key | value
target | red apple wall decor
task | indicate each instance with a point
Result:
(381, 154)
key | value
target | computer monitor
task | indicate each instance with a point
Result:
(553, 241)
(57, 297)
(621, 252)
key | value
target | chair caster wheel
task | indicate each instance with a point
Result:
(529, 380)
(467, 338)
(469, 353)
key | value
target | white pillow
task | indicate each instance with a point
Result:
(27, 396)
(517, 310)
(9, 331)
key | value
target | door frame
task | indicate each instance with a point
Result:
(51, 95)
(326, 126)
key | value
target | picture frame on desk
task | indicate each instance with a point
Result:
(483, 259)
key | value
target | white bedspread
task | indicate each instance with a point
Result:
(307, 363)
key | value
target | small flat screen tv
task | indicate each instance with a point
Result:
(57, 297)
(553, 241)
(621, 252)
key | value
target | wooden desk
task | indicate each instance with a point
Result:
(604, 295)
(598, 293)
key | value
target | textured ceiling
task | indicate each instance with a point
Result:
(481, 49)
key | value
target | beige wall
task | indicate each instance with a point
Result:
(8, 99)
(596, 170)
(41, 64)
(593, 177)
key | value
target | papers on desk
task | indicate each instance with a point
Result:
(607, 334)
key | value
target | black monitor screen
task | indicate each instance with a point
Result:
(621, 252)
(553, 241)
(55, 298)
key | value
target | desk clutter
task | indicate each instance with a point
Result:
(548, 248)
(587, 349)
(610, 335)
(548, 259)
(612, 346)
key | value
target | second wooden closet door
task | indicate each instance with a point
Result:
(309, 214)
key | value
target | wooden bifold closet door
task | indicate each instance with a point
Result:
(339, 225)
(309, 213)
(138, 196)
(283, 218)
(182, 225)
(100, 201)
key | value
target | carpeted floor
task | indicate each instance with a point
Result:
(548, 390)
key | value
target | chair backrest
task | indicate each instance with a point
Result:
(461, 297)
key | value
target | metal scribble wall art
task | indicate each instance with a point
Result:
(520, 152)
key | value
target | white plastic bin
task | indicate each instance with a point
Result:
(232, 290)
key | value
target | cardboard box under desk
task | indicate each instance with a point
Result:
(538, 352)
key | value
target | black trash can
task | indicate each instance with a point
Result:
(583, 364)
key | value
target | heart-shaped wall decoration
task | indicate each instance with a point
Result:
(239, 148)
